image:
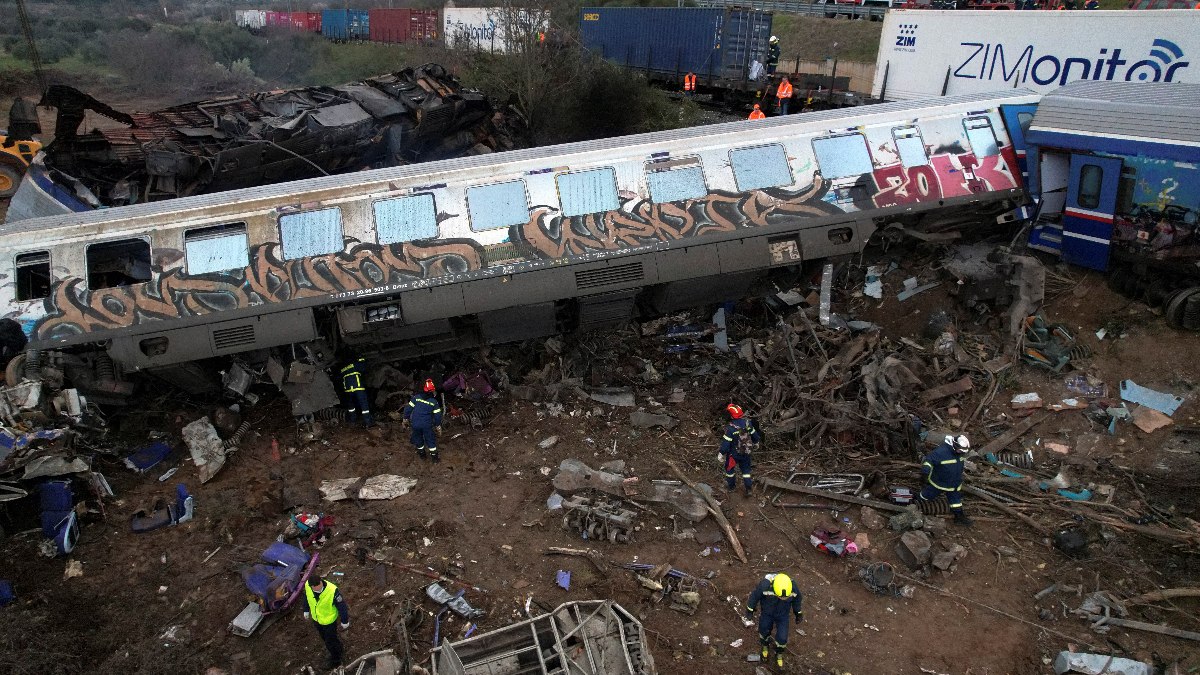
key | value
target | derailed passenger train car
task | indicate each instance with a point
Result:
(419, 259)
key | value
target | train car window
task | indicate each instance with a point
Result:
(761, 167)
(675, 184)
(842, 156)
(910, 146)
(497, 205)
(1126, 187)
(118, 263)
(1091, 177)
(33, 275)
(216, 249)
(406, 219)
(584, 192)
(981, 136)
(311, 233)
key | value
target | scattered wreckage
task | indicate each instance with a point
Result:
(414, 115)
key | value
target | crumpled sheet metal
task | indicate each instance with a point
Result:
(383, 486)
(574, 476)
(208, 451)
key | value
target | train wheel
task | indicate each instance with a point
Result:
(10, 179)
(1173, 311)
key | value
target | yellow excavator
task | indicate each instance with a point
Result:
(17, 144)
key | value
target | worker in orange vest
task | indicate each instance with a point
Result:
(689, 84)
(784, 93)
(757, 113)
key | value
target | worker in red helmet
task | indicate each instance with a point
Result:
(739, 441)
(425, 413)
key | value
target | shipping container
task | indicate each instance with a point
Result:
(308, 22)
(927, 53)
(403, 25)
(484, 28)
(277, 20)
(346, 25)
(719, 45)
(250, 19)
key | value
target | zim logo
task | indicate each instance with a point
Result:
(993, 61)
(591, 16)
(907, 36)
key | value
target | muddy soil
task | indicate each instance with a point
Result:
(160, 602)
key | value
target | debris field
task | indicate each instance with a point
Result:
(583, 468)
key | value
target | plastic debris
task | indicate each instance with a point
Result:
(1164, 403)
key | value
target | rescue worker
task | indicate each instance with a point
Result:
(689, 85)
(424, 412)
(784, 94)
(772, 55)
(326, 606)
(737, 444)
(943, 472)
(354, 394)
(757, 113)
(777, 596)
(1092, 4)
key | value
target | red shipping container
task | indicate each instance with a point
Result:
(403, 25)
(309, 22)
(278, 20)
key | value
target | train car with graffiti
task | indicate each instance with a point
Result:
(414, 260)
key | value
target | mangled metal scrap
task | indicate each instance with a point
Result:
(596, 637)
(417, 114)
(574, 476)
(599, 519)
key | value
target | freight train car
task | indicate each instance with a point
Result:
(346, 25)
(420, 259)
(253, 20)
(726, 48)
(404, 25)
(307, 22)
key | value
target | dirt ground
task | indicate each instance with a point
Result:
(160, 602)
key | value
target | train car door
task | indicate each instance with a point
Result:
(1091, 204)
(1017, 119)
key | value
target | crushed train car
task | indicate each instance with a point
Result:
(413, 115)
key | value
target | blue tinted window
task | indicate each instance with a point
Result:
(584, 192)
(910, 146)
(311, 233)
(497, 205)
(405, 219)
(216, 249)
(762, 167)
(676, 185)
(842, 156)
(981, 137)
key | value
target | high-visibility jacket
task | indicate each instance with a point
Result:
(424, 412)
(757, 114)
(784, 90)
(322, 608)
(689, 82)
(352, 376)
(943, 468)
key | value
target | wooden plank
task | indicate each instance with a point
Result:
(1142, 625)
(849, 499)
(955, 387)
(1002, 441)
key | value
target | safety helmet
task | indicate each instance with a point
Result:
(429, 386)
(774, 39)
(735, 411)
(959, 443)
(782, 585)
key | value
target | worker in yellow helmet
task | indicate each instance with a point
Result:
(778, 597)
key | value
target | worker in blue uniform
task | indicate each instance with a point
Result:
(943, 474)
(326, 607)
(424, 412)
(772, 55)
(778, 599)
(738, 442)
(354, 394)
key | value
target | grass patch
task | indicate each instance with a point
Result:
(812, 38)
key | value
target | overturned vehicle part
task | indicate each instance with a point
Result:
(594, 637)
(413, 115)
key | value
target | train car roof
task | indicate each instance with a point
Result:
(749, 132)
(1157, 112)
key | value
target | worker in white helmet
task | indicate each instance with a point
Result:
(773, 55)
(943, 472)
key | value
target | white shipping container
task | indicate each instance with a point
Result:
(922, 51)
(253, 19)
(490, 29)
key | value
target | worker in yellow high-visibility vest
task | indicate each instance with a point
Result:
(327, 607)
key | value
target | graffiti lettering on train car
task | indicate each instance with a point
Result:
(946, 175)
(171, 294)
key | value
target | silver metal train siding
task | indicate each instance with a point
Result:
(420, 259)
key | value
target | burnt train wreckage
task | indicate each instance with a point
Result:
(419, 259)
(417, 114)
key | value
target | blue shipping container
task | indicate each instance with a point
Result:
(716, 44)
(345, 24)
